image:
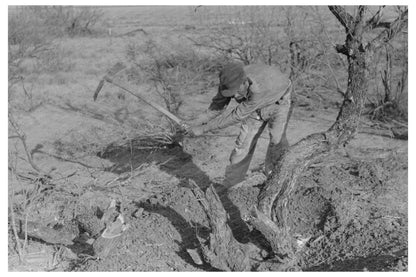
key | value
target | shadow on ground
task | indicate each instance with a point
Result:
(170, 158)
(175, 161)
(184, 228)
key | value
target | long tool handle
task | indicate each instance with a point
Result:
(151, 103)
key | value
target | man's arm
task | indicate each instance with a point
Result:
(258, 97)
(218, 104)
(230, 117)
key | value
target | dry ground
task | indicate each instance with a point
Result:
(78, 142)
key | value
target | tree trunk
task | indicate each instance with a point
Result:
(274, 196)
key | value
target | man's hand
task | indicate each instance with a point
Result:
(195, 131)
(202, 119)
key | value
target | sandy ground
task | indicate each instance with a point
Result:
(164, 216)
(352, 207)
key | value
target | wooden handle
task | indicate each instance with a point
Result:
(151, 103)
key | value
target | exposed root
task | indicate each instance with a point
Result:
(221, 250)
(288, 170)
(274, 234)
(271, 219)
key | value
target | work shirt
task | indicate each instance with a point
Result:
(267, 84)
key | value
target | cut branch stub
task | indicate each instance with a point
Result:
(222, 250)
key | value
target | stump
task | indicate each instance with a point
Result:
(221, 250)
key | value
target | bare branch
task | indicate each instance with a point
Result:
(377, 16)
(389, 33)
(375, 21)
(361, 12)
(343, 17)
(20, 249)
(22, 138)
(381, 25)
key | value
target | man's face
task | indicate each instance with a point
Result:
(241, 93)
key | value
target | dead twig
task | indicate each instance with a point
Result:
(20, 249)
(22, 137)
(400, 123)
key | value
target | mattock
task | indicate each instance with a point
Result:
(109, 77)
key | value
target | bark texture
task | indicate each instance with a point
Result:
(221, 250)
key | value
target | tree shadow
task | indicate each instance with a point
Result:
(184, 228)
(170, 158)
(175, 161)
(237, 225)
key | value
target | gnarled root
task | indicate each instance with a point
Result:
(276, 236)
(221, 250)
(271, 216)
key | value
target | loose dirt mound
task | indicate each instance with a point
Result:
(339, 206)
(157, 238)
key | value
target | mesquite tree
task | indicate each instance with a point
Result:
(270, 217)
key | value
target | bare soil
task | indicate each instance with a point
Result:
(349, 210)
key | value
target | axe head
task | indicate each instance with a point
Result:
(113, 71)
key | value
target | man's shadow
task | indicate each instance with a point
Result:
(175, 161)
(187, 230)
(170, 158)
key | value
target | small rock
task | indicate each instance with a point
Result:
(264, 254)
(90, 241)
(69, 254)
(195, 256)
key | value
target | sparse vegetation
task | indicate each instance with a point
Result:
(68, 20)
(70, 157)
(175, 70)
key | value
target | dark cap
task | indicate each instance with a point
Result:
(231, 77)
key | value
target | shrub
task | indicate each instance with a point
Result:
(248, 33)
(175, 70)
(27, 39)
(68, 20)
(390, 74)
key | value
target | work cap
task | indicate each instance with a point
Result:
(231, 77)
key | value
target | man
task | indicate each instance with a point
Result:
(263, 93)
